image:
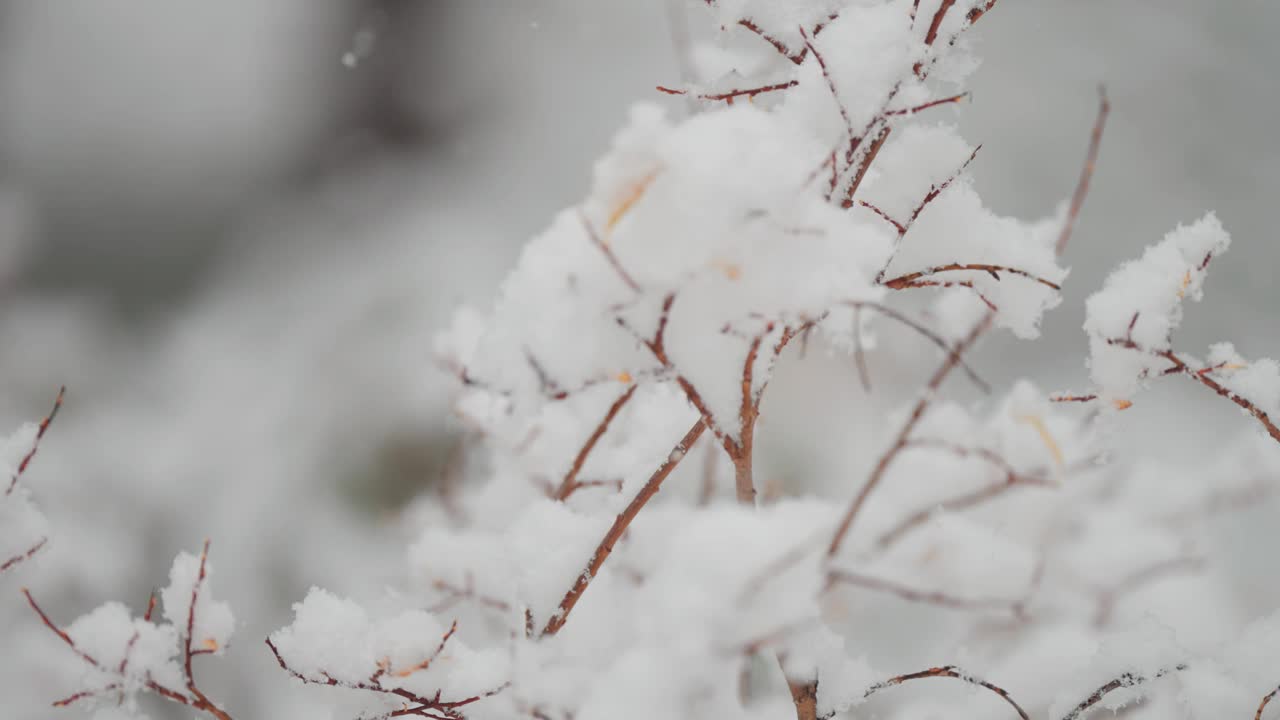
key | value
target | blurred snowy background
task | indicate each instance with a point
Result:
(231, 229)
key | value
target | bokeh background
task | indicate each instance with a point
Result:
(231, 228)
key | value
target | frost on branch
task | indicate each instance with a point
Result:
(23, 529)
(1131, 322)
(410, 664)
(122, 655)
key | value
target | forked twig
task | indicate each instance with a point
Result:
(193, 698)
(620, 525)
(904, 434)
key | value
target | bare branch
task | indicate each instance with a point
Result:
(948, 671)
(928, 597)
(1266, 699)
(1124, 681)
(933, 337)
(570, 481)
(730, 95)
(23, 556)
(35, 444)
(608, 253)
(909, 280)
(970, 499)
(620, 525)
(904, 434)
(1091, 160)
(1107, 599)
(420, 705)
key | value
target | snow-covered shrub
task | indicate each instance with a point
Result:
(580, 567)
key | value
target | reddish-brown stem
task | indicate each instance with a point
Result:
(1266, 699)
(468, 592)
(1091, 160)
(608, 253)
(1124, 681)
(905, 281)
(960, 502)
(1107, 600)
(1073, 398)
(740, 451)
(197, 701)
(23, 556)
(932, 35)
(904, 434)
(910, 594)
(931, 104)
(620, 525)
(868, 157)
(570, 481)
(948, 671)
(777, 44)
(1209, 382)
(422, 706)
(1178, 366)
(926, 332)
(831, 85)
(35, 444)
(730, 95)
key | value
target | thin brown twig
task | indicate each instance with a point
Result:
(1011, 479)
(1091, 160)
(1266, 699)
(930, 335)
(916, 595)
(931, 104)
(467, 592)
(1124, 681)
(904, 434)
(947, 671)
(570, 482)
(730, 95)
(831, 84)
(1180, 367)
(423, 706)
(620, 525)
(35, 443)
(197, 700)
(908, 280)
(24, 556)
(608, 253)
